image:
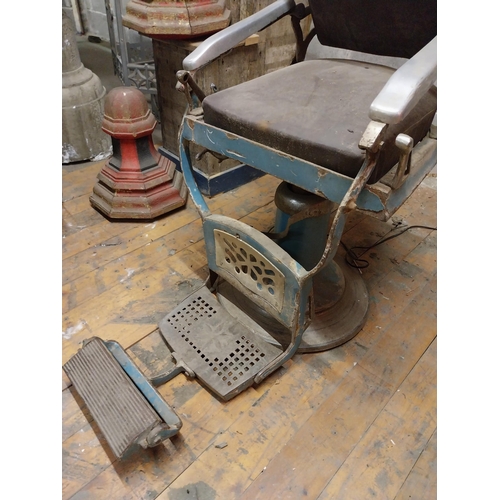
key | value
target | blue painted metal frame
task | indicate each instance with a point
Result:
(211, 185)
(311, 177)
(298, 284)
(347, 192)
(298, 293)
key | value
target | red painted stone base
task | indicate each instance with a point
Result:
(145, 195)
(136, 182)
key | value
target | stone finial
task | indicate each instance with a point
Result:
(136, 182)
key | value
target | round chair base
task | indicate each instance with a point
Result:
(336, 320)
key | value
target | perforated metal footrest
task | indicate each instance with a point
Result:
(224, 353)
(125, 406)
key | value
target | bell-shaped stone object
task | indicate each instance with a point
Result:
(136, 182)
(82, 104)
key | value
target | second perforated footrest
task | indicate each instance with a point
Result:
(224, 353)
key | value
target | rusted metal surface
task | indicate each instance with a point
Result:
(121, 411)
(339, 293)
(311, 177)
(136, 182)
(297, 308)
(125, 405)
(255, 271)
(176, 19)
(223, 353)
(340, 310)
(187, 82)
(371, 141)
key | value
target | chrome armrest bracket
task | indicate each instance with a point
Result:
(405, 145)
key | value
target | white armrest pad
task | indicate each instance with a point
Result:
(406, 86)
(229, 37)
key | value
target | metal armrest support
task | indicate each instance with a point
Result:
(228, 38)
(370, 142)
(406, 86)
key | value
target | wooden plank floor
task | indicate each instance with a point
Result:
(355, 422)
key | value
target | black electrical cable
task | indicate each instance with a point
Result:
(354, 260)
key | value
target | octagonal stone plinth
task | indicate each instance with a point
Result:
(136, 182)
(176, 19)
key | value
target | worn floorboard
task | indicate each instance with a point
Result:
(355, 422)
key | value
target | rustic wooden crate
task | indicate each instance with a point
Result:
(225, 72)
(271, 49)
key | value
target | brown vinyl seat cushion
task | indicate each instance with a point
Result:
(317, 110)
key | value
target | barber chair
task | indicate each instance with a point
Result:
(342, 135)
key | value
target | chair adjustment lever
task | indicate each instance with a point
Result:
(185, 80)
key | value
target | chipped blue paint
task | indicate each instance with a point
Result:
(309, 176)
(187, 170)
(297, 288)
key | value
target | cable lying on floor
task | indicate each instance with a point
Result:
(354, 260)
